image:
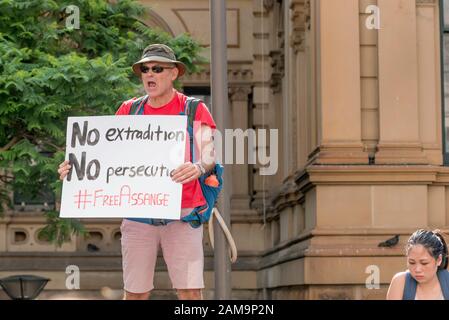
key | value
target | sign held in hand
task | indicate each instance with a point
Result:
(121, 167)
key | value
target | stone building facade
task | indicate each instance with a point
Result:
(361, 150)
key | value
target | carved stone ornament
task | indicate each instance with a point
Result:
(298, 18)
(268, 4)
(277, 63)
(239, 93)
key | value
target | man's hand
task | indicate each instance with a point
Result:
(64, 169)
(185, 173)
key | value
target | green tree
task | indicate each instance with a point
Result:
(49, 71)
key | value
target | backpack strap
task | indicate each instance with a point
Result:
(409, 287)
(137, 106)
(443, 277)
(190, 107)
(201, 214)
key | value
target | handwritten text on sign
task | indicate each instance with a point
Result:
(121, 167)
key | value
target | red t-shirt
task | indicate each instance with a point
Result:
(192, 196)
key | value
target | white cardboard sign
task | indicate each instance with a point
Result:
(121, 167)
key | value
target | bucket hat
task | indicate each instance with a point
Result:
(158, 53)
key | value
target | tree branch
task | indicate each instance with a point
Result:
(10, 144)
(53, 145)
(6, 179)
(43, 141)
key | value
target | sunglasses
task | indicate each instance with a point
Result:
(154, 69)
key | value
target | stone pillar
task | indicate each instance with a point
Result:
(398, 85)
(339, 112)
(299, 16)
(429, 85)
(369, 76)
(289, 90)
(3, 236)
(263, 111)
(240, 198)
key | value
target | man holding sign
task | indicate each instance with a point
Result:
(181, 244)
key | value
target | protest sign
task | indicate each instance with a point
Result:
(121, 167)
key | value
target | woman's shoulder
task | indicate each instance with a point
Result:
(396, 290)
(400, 275)
(399, 278)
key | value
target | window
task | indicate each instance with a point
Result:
(202, 93)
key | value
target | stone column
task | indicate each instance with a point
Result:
(299, 17)
(263, 111)
(429, 85)
(240, 198)
(3, 236)
(398, 84)
(338, 71)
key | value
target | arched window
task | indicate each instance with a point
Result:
(155, 21)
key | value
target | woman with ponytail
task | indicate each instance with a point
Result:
(427, 277)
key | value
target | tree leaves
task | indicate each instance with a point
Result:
(59, 230)
(49, 72)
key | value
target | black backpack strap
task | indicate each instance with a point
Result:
(409, 287)
(137, 106)
(190, 107)
(443, 277)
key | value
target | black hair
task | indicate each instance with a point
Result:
(433, 241)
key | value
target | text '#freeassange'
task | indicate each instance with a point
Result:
(84, 199)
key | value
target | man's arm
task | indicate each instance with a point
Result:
(188, 171)
(205, 142)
